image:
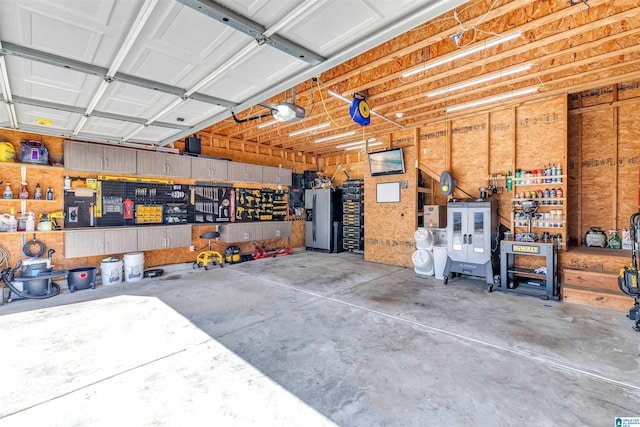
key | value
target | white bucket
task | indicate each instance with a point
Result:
(111, 272)
(422, 262)
(133, 266)
(439, 260)
(424, 238)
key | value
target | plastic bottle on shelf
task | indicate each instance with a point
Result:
(31, 223)
(559, 172)
(24, 192)
(12, 223)
(553, 173)
(8, 194)
(49, 193)
(37, 194)
(509, 181)
(559, 195)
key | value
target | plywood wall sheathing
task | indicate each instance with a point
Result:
(627, 163)
(389, 227)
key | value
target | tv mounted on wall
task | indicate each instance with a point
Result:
(387, 162)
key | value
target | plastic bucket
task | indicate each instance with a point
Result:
(439, 260)
(133, 266)
(111, 271)
(424, 238)
(423, 262)
(81, 278)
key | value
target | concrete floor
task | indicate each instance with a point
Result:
(313, 339)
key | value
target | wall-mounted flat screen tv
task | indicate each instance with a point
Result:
(387, 162)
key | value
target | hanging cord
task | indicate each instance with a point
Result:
(4, 258)
(324, 105)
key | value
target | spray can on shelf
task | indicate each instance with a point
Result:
(37, 194)
(8, 194)
(559, 172)
(49, 193)
(509, 181)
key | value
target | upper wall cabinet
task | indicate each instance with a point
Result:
(242, 172)
(99, 158)
(208, 169)
(278, 176)
(166, 165)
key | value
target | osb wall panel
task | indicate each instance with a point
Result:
(541, 134)
(389, 227)
(597, 96)
(470, 155)
(628, 150)
(348, 165)
(433, 149)
(629, 90)
(573, 178)
(597, 170)
(502, 127)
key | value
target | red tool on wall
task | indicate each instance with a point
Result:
(128, 208)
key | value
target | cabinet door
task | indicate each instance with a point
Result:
(160, 164)
(242, 172)
(119, 160)
(100, 158)
(178, 166)
(479, 235)
(278, 176)
(120, 240)
(150, 238)
(276, 229)
(247, 232)
(178, 236)
(81, 243)
(208, 169)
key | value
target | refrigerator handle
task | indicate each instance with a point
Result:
(313, 220)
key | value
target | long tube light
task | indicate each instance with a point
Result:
(332, 137)
(482, 46)
(350, 144)
(311, 129)
(359, 147)
(505, 95)
(265, 124)
(501, 73)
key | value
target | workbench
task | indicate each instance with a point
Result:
(539, 282)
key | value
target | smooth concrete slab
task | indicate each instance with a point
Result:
(132, 361)
(367, 344)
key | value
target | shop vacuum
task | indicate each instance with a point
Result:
(35, 276)
(628, 280)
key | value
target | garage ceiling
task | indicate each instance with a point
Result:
(153, 71)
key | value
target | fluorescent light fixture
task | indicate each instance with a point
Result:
(311, 129)
(350, 144)
(492, 99)
(361, 146)
(501, 73)
(265, 124)
(482, 46)
(336, 95)
(332, 137)
(81, 123)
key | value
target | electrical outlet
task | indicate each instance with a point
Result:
(192, 248)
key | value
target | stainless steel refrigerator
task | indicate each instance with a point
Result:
(322, 209)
